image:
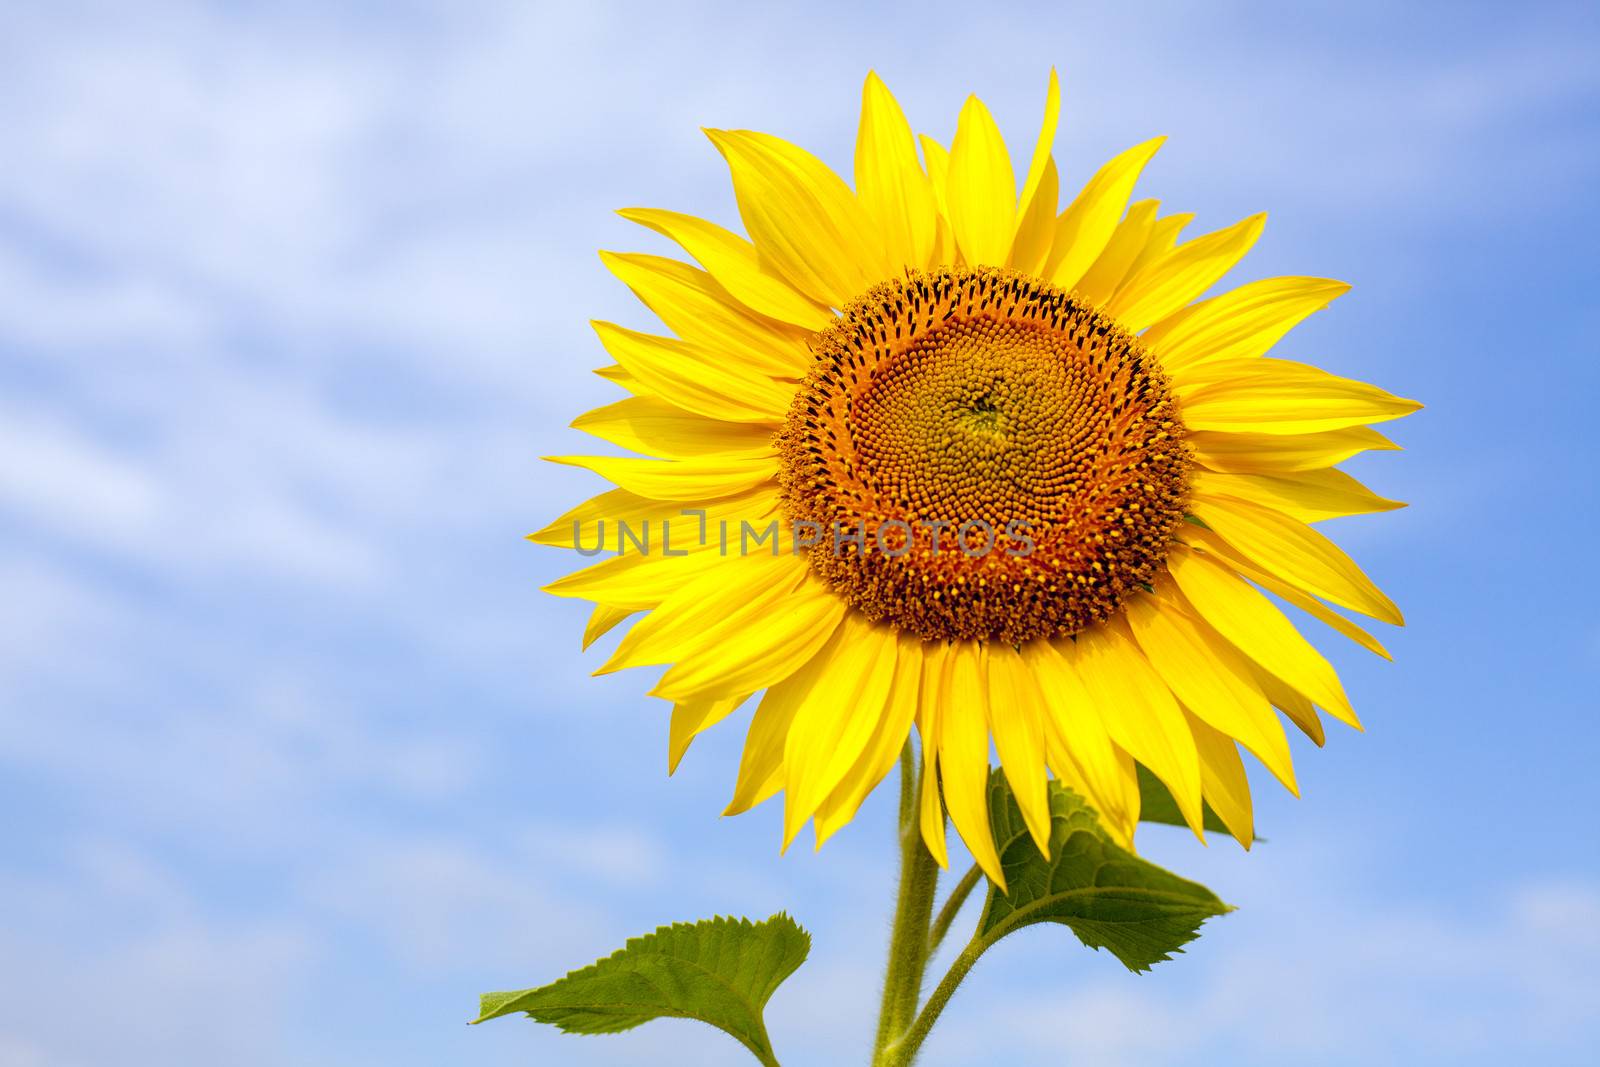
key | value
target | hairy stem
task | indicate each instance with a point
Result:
(909, 941)
(952, 907)
(902, 1052)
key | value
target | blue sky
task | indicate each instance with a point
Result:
(296, 759)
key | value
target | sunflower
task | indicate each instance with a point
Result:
(932, 454)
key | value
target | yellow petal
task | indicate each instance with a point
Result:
(1278, 396)
(622, 522)
(944, 245)
(1037, 227)
(930, 808)
(1170, 281)
(1086, 226)
(712, 608)
(679, 479)
(736, 266)
(1271, 453)
(1308, 496)
(1040, 190)
(1105, 276)
(1078, 747)
(1240, 324)
(938, 164)
(982, 188)
(702, 312)
(745, 653)
(1216, 546)
(1212, 680)
(1139, 711)
(1258, 629)
(602, 620)
(835, 721)
(697, 379)
(690, 719)
(1017, 721)
(1043, 147)
(964, 755)
(619, 375)
(761, 763)
(894, 192)
(592, 524)
(1295, 553)
(635, 582)
(1132, 798)
(1222, 774)
(652, 426)
(882, 748)
(804, 220)
(1157, 243)
(1296, 708)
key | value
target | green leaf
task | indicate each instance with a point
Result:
(1109, 897)
(720, 971)
(1156, 804)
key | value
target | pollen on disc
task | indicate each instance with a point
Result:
(983, 457)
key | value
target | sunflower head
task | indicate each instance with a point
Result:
(941, 452)
(989, 458)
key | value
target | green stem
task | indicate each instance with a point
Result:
(903, 1052)
(909, 942)
(952, 907)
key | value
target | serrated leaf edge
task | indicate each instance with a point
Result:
(491, 1006)
(1014, 921)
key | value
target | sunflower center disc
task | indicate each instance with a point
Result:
(983, 457)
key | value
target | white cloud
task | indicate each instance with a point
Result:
(54, 313)
(56, 475)
(435, 903)
(152, 976)
(259, 767)
(192, 504)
